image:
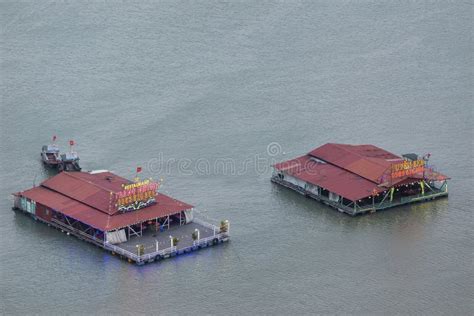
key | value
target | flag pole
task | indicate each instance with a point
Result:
(71, 145)
(139, 169)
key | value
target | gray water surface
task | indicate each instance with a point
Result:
(149, 82)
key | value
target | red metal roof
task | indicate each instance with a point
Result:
(329, 177)
(85, 197)
(352, 171)
(92, 189)
(165, 206)
(434, 175)
(67, 206)
(106, 179)
(367, 161)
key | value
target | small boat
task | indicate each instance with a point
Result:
(50, 155)
(69, 162)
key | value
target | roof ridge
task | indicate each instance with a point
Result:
(75, 199)
(341, 147)
(361, 156)
(350, 171)
(90, 182)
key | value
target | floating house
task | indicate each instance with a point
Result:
(128, 218)
(356, 179)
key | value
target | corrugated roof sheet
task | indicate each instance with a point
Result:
(367, 161)
(85, 191)
(329, 177)
(352, 171)
(64, 195)
(67, 206)
(165, 206)
(106, 179)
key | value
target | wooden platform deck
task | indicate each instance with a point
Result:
(183, 233)
(210, 235)
(362, 209)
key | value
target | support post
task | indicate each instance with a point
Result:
(386, 195)
(429, 187)
(198, 236)
(134, 232)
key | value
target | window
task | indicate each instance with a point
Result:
(23, 203)
(30, 206)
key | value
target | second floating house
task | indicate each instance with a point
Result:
(361, 178)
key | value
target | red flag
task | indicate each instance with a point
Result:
(139, 169)
(71, 143)
(54, 138)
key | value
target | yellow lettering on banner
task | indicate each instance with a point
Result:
(136, 192)
(136, 185)
(407, 168)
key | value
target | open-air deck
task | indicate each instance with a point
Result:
(158, 245)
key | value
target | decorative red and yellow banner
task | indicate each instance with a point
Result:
(136, 195)
(407, 168)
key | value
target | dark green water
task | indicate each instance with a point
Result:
(197, 82)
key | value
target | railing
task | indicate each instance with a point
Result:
(164, 252)
(171, 250)
(363, 208)
(140, 258)
(205, 224)
(217, 230)
(174, 249)
(75, 230)
(122, 251)
(205, 241)
(401, 201)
